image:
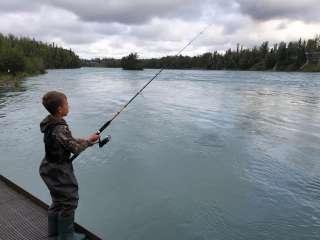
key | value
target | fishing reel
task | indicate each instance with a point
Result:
(100, 142)
(104, 141)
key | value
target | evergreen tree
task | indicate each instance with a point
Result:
(29, 56)
(283, 56)
(131, 62)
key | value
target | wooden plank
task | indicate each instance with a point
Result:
(24, 216)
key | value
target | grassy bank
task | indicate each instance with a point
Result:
(311, 68)
(13, 81)
(8, 81)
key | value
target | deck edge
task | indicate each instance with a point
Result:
(45, 206)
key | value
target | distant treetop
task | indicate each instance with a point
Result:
(31, 56)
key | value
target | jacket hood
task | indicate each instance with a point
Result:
(49, 120)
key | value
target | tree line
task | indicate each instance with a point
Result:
(25, 55)
(279, 57)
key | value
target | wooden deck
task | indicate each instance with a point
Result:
(23, 216)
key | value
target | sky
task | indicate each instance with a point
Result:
(114, 28)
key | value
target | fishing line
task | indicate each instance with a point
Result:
(116, 114)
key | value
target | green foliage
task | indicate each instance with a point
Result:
(12, 60)
(131, 62)
(311, 68)
(104, 62)
(282, 57)
(34, 65)
(19, 55)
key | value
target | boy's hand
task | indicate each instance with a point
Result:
(94, 137)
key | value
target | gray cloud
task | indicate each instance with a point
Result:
(106, 11)
(156, 28)
(19, 5)
(307, 10)
(129, 12)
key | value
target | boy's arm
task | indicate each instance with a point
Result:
(64, 137)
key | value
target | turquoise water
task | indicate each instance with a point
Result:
(200, 155)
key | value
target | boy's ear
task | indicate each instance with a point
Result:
(59, 109)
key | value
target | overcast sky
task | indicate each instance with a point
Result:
(114, 28)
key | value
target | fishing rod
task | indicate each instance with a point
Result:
(116, 114)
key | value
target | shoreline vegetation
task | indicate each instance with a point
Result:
(299, 56)
(131, 62)
(24, 57)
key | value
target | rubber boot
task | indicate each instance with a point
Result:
(52, 226)
(66, 228)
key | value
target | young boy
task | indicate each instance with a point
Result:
(56, 169)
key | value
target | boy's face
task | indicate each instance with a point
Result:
(63, 110)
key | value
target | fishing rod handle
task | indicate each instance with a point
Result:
(104, 126)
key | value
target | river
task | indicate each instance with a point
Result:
(200, 155)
